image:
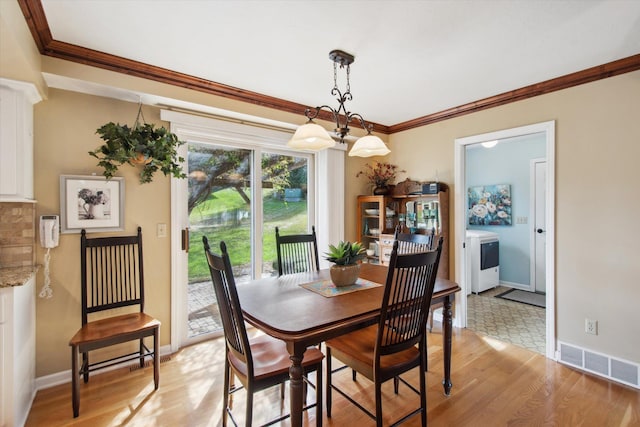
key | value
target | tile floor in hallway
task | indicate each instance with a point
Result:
(509, 321)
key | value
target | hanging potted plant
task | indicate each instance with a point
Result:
(346, 257)
(142, 145)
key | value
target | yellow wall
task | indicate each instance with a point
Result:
(597, 199)
(597, 147)
(64, 132)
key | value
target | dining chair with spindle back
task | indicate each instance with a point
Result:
(112, 277)
(397, 343)
(297, 253)
(260, 362)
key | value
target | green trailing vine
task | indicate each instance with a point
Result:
(142, 145)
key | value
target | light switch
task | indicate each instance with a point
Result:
(521, 220)
(161, 230)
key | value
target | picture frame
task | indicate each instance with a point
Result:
(489, 205)
(92, 203)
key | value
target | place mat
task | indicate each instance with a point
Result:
(326, 288)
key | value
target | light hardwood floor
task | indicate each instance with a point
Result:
(494, 384)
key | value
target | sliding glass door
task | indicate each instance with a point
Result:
(239, 195)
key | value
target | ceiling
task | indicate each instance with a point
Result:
(412, 58)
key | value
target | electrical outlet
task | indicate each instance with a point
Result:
(591, 326)
(161, 230)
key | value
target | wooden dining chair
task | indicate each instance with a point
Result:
(297, 253)
(388, 349)
(412, 242)
(112, 277)
(261, 362)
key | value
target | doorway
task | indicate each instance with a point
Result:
(461, 144)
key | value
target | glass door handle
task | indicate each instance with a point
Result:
(185, 240)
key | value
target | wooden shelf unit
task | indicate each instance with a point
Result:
(421, 222)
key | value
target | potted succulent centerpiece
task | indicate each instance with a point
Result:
(346, 257)
(142, 145)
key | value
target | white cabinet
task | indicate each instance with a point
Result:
(18, 355)
(16, 139)
(483, 260)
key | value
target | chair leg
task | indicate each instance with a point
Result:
(156, 358)
(141, 352)
(423, 394)
(225, 396)
(319, 395)
(75, 386)
(430, 320)
(328, 400)
(379, 404)
(85, 365)
(249, 411)
(396, 382)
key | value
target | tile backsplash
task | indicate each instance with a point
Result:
(17, 234)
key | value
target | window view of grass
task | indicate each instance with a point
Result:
(220, 201)
(226, 216)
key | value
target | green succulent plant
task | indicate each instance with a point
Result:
(151, 148)
(345, 253)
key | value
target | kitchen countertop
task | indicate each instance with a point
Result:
(16, 276)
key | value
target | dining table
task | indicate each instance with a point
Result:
(284, 308)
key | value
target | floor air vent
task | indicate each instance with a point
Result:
(614, 369)
(148, 363)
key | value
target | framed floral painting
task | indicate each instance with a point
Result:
(489, 205)
(91, 202)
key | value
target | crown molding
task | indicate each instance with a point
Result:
(37, 22)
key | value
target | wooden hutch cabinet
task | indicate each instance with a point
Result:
(378, 217)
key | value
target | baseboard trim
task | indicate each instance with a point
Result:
(603, 365)
(64, 377)
(515, 285)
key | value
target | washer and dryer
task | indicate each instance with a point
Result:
(483, 262)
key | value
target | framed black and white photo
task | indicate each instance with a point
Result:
(91, 202)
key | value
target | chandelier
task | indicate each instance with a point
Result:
(311, 136)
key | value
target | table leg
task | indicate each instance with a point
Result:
(296, 383)
(447, 323)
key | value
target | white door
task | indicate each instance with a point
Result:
(539, 239)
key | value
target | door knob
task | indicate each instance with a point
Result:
(540, 230)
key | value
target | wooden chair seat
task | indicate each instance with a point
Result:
(271, 358)
(123, 328)
(358, 347)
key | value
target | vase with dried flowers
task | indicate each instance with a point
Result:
(380, 175)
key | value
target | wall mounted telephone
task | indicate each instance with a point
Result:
(49, 238)
(49, 231)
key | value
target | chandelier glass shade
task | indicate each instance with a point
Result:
(369, 145)
(311, 136)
